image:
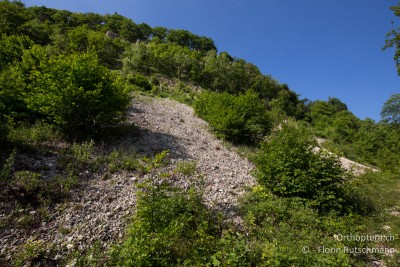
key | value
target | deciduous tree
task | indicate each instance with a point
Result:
(391, 109)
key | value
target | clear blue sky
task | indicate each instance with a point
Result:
(319, 48)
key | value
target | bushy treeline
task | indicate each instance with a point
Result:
(214, 71)
(240, 103)
(74, 31)
(114, 41)
(367, 141)
(55, 65)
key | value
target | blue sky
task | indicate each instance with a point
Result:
(320, 48)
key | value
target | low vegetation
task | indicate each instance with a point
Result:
(277, 231)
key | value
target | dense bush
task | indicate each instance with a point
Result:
(74, 92)
(288, 165)
(140, 81)
(379, 144)
(12, 48)
(240, 118)
(332, 120)
(77, 94)
(83, 39)
(174, 228)
(12, 93)
(284, 226)
(367, 142)
(171, 228)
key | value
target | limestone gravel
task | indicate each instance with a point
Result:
(173, 126)
(100, 211)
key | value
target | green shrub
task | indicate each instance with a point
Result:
(140, 81)
(28, 134)
(12, 47)
(389, 159)
(29, 182)
(280, 228)
(28, 188)
(32, 189)
(240, 118)
(289, 167)
(123, 160)
(170, 228)
(235, 248)
(187, 168)
(77, 94)
(31, 252)
(78, 158)
(12, 92)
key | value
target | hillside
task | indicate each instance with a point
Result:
(127, 145)
(98, 211)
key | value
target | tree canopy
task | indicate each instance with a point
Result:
(391, 109)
